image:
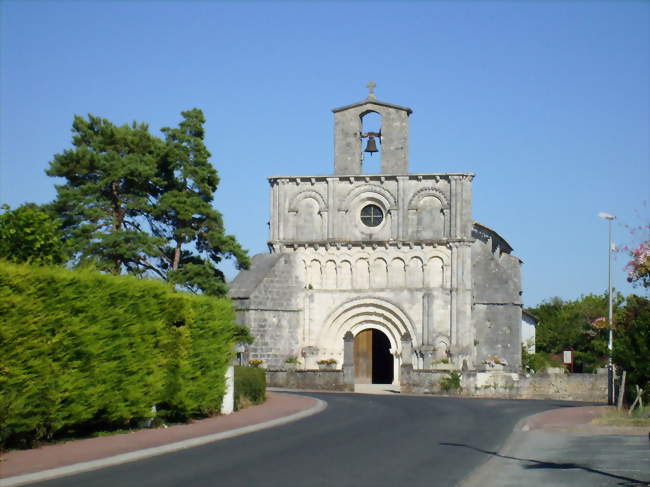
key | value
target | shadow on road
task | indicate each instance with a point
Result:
(539, 464)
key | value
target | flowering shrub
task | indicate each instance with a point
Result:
(638, 269)
(600, 323)
(255, 363)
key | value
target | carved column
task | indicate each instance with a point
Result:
(402, 212)
(348, 361)
(407, 362)
(273, 223)
(427, 318)
(462, 333)
(453, 207)
(331, 211)
(280, 216)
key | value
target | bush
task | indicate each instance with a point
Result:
(451, 383)
(536, 362)
(81, 351)
(250, 386)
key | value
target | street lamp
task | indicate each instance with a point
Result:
(610, 368)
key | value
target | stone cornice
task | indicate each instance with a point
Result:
(372, 101)
(352, 178)
(279, 246)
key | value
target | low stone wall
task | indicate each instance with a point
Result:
(322, 380)
(508, 385)
(567, 387)
(422, 381)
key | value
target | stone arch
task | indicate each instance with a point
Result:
(372, 192)
(429, 219)
(397, 273)
(309, 193)
(344, 274)
(330, 275)
(361, 274)
(359, 314)
(415, 273)
(370, 121)
(315, 274)
(415, 200)
(379, 273)
(308, 220)
(435, 272)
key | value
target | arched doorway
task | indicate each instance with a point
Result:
(373, 362)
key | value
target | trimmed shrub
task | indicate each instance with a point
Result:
(81, 350)
(250, 386)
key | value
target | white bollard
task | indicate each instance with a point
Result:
(228, 404)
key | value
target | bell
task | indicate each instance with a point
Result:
(371, 146)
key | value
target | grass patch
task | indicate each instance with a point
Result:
(612, 417)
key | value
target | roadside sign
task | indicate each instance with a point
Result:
(567, 356)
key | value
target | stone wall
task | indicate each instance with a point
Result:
(496, 294)
(565, 387)
(321, 380)
(569, 387)
(267, 301)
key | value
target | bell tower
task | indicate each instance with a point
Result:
(391, 140)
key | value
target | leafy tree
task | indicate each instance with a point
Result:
(136, 203)
(107, 192)
(30, 234)
(569, 325)
(183, 214)
(632, 341)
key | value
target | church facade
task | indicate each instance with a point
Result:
(381, 256)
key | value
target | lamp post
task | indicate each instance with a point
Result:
(610, 367)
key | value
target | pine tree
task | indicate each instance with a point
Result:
(135, 203)
(107, 193)
(183, 215)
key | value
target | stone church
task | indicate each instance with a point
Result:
(382, 256)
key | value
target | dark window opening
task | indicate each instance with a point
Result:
(371, 215)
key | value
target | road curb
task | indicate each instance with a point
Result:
(158, 450)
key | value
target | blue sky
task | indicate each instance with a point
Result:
(546, 102)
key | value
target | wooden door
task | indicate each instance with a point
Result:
(363, 357)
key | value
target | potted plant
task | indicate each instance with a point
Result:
(254, 363)
(327, 364)
(291, 363)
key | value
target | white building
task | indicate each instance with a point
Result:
(528, 326)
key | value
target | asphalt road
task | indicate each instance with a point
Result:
(358, 440)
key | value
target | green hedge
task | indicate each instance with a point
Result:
(250, 386)
(81, 350)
